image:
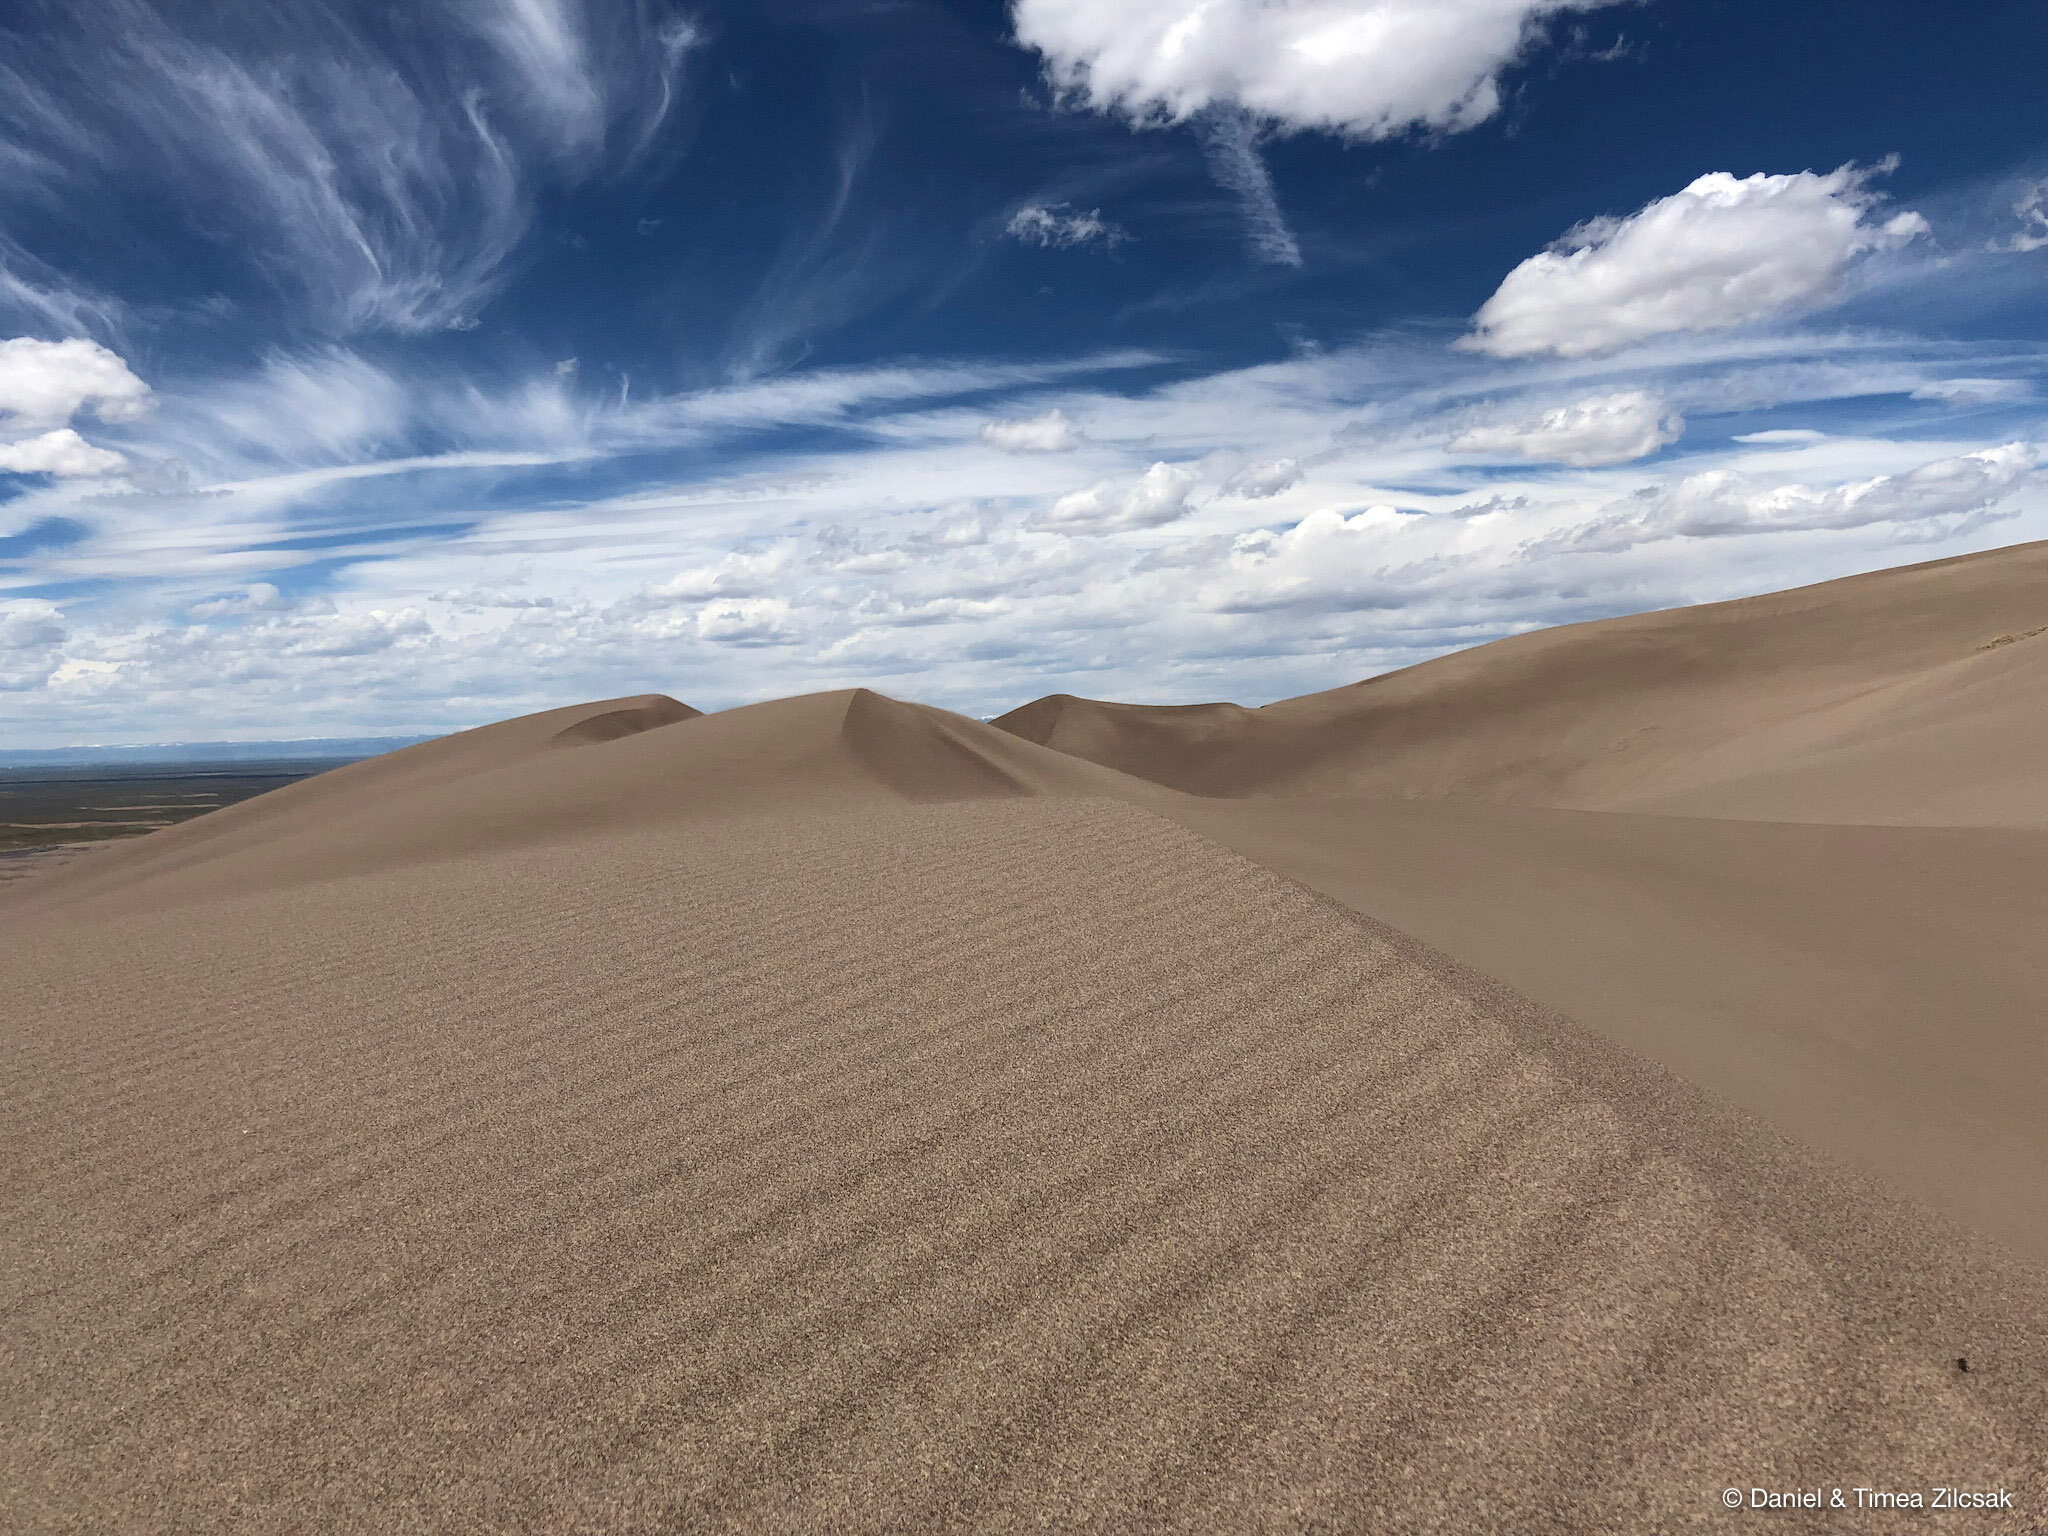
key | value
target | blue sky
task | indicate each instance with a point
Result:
(371, 368)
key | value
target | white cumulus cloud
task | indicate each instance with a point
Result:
(1050, 433)
(1722, 503)
(1256, 481)
(351, 634)
(1332, 558)
(62, 452)
(1058, 225)
(1725, 251)
(46, 383)
(747, 621)
(1160, 495)
(1362, 68)
(1604, 429)
(736, 575)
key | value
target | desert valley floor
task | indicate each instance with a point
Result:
(1533, 1091)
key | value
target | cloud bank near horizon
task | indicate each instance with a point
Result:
(1123, 540)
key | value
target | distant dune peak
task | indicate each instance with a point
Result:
(929, 755)
(1037, 720)
(1168, 744)
(646, 713)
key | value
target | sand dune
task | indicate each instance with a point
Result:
(569, 774)
(1915, 696)
(840, 1115)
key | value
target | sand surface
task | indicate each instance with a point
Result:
(1879, 992)
(839, 1115)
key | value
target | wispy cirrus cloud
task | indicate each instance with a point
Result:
(1231, 138)
(36, 296)
(2030, 214)
(831, 267)
(595, 76)
(1058, 225)
(380, 179)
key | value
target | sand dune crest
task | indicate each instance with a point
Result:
(654, 711)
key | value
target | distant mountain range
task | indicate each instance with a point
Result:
(304, 749)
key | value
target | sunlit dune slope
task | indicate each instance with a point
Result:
(1914, 696)
(572, 773)
(1001, 1164)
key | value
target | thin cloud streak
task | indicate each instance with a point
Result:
(1231, 139)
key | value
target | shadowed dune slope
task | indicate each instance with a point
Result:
(1875, 991)
(1910, 696)
(1002, 1164)
(623, 717)
(566, 774)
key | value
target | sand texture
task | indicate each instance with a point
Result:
(838, 1115)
